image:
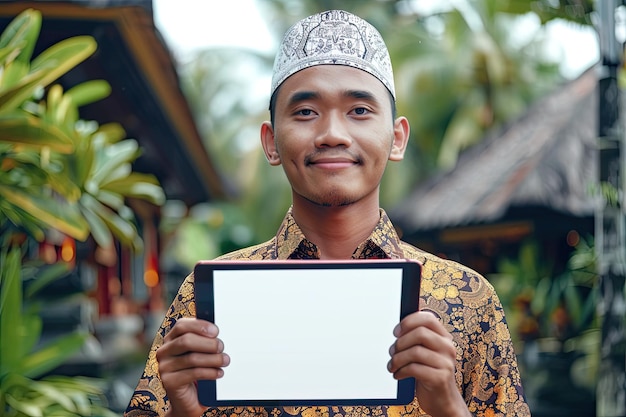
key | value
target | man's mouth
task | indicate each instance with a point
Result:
(332, 161)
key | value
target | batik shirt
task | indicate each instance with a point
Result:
(486, 368)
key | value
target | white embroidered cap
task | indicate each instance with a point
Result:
(333, 37)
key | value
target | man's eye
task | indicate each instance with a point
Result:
(305, 112)
(361, 111)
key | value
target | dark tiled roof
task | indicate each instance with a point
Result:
(547, 158)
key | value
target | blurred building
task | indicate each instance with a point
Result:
(532, 178)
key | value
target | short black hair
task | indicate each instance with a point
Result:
(273, 99)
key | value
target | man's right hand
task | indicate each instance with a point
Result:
(191, 351)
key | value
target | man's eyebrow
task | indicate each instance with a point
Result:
(302, 96)
(360, 94)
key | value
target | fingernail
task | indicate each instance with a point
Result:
(389, 366)
(211, 330)
(392, 350)
(225, 360)
(396, 331)
(220, 373)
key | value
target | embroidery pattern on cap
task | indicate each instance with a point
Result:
(333, 37)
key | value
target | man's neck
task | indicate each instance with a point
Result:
(336, 231)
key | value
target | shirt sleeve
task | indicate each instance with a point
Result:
(468, 306)
(491, 380)
(149, 398)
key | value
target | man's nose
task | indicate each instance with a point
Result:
(334, 132)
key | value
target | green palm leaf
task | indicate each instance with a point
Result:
(113, 161)
(46, 68)
(123, 229)
(137, 185)
(21, 128)
(99, 230)
(52, 355)
(89, 92)
(63, 217)
(10, 310)
(22, 33)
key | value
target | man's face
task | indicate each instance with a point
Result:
(334, 133)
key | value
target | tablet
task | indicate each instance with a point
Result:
(306, 333)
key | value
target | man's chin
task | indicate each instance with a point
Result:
(332, 201)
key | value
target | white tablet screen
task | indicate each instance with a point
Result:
(306, 334)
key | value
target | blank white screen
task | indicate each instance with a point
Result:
(307, 334)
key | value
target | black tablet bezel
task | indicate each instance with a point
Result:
(204, 298)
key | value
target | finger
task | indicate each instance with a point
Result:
(192, 325)
(419, 371)
(193, 360)
(421, 355)
(191, 375)
(189, 342)
(420, 318)
(422, 327)
(425, 336)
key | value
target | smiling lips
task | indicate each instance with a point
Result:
(332, 163)
(326, 160)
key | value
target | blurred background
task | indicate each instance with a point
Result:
(129, 150)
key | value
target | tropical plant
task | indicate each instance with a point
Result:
(550, 309)
(57, 172)
(546, 300)
(27, 387)
(577, 11)
(60, 171)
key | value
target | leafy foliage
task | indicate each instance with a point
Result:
(57, 172)
(25, 390)
(577, 11)
(545, 302)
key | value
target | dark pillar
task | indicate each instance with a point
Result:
(610, 224)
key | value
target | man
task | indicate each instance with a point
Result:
(333, 128)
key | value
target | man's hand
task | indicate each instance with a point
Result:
(424, 350)
(190, 351)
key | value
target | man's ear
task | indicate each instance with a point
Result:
(268, 143)
(401, 131)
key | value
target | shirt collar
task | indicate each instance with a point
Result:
(382, 243)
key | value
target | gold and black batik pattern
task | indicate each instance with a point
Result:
(487, 373)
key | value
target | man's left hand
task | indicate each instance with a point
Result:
(425, 351)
